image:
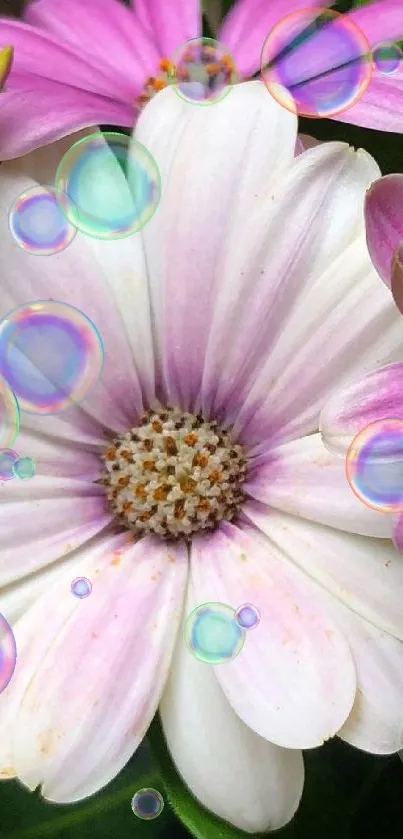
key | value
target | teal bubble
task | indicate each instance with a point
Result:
(24, 468)
(212, 633)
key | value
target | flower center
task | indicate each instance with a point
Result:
(174, 474)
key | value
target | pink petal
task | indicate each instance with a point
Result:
(381, 105)
(262, 784)
(376, 396)
(51, 110)
(248, 24)
(102, 279)
(58, 515)
(294, 681)
(304, 479)
(375, 722)
(383, 221)
(197, 225)
(80, 659)
(398, 532)
(397, 276)
(105, 34)
(169, 24)
(366, 574)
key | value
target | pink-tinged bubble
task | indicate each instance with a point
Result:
(247, 616)
(37, 222)
(374, 465)
(8, 458)
(81, 587)
(387, 58)
(316, 62)
(9, 415)
(202, 71)
(8, 653)
(51, 355)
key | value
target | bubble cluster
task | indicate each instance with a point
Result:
(212, 633)
(38, 224)
(8, 653)
(8, 458)
(9, 414)
(147, 803)
(81, 587)
(316, 62)
(201, 71)
(103, 199)
(24, 468)
(387, 58)
(374, 465)
(51, 355)
(247, 616)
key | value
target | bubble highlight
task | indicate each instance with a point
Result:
(147, 803)
(81, 587)
(24, 468)
(387, 58)
(8, 653)
(37, 223)
(201, 71)
(247, 616)
(8, 458)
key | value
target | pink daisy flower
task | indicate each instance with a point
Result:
(240, 305)
(77, 64)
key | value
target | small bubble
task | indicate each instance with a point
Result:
(8, 653)
(202, 71)
(81, 587)
(387, 58)
(38, 224)
(147, 803)
(212, 633)
(247, 616)
(8, 457)
(24, 468)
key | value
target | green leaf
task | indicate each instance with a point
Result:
(25, 815)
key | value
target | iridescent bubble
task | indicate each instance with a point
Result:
(24, 468)
(8, 457)
(9, 415)
(147, 803)
(247, 616)
(374, 465)
(387, 57)
(37, 222)
(81, 587)
(110, 185)
(212, 633)
(8, 653)
(51, 354)
(316, 62)
(202, 71)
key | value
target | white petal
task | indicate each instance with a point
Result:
(366, 574)
(242, 778)
(306, 480)
(90, 672)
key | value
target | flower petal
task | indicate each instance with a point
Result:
(105, 279)
(262, 784)
(169, 24)
(378, 395)
(51, 110)
(398, 532)
(44, 519)
(375, 722)
(381, 105)
(306, 480)
(103, 33)
(187, 239)
(279, 309)
(294, 680)
(247, 25)
(365, 574)
(383, 221)
(397, 276)
(78, 659)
